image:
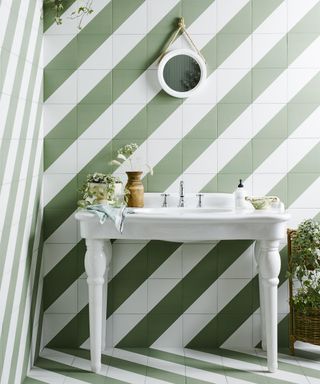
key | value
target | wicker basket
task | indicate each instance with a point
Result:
(302, 326)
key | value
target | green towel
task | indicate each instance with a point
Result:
(117, 215)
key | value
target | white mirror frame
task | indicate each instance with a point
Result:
(177, 52)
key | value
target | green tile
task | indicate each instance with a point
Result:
(122, 289)
(206, 128)
(227, 43)
(165, 376)
(157, 113)
(101, 162)
(137, 58)
(85, 45)
(157, 324)
(277, 57)
(262, 78)
(242, 163)
(69, 60)
(87, 115)
(242, 23)
(262, 149)
(310, 162)
(297, 43)
(101, 22)
(192, 149)
(123, 7)
(168, 25)
(50, 76)
(171, 163)
(138, 337)
(241, 92)
(163, 98)
(310, 22)
(297, 113)
(67, 128)
(53, 148)
(311, 91)
(212, 186)
(158, 252)
(136, 129)
(276, 128)
(102, 93)
(228, 182)
(260, 8)
(122, 79)
(191, 8)
(209, 52)
(158, 183)
(228, 113)
(156, 43)
(190, 294)
(170, 304)
(281, 190)
(298, 183)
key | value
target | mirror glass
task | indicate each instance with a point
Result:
(182, 73)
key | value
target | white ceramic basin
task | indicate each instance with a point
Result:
(178, 211)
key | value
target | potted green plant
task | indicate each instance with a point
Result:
(304, 269)
(134, 184)
(100, 188)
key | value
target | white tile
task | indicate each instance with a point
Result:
(52, 46)
(276, 22)
(241, 127)
(242, 267)
(206, 303)
(210, 377)
(52, 184)
(136, 93)
(224, 9)
(207, 94)
(86, 81)
(227, 79)
(136, 23)
(122, 254)
(158, 289)
(171, 337)
(53, 113)
(262, 114)
(264, 182)
(277, 91)
(296, 9)
(297, 149)
(227, 149)
(241, 338)
(191, 115)
(101, 58)
(171, 127)
(208, 23)
(67, 233)
(194, 182)
(136, 303)
(67, 161)
(66, 302)
(309, 58)
(156, 8)
(157, 149)
(123, 114)
(298, 79)
(60, 357)
(241, 57)
(88, 146)
(262, 41)
(228, 288)
(192, 254)
(277, 160)
(122, 324)
(309, 127)
(152, 82)
(122, 44)
(53, 324)
(171, 268)
(66, 94)
(206, 162)
(101, 128)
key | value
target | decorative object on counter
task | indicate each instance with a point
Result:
(264, 202)
(304, 268)
(181, 72)
(134, 184)
(101, 188)
(240, 195)
(58, 7)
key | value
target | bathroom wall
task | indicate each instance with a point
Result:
(21, 157)
(256, 118)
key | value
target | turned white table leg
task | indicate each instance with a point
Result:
(257, 254)
(96, 266)
(270, 264)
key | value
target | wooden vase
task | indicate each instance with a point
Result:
(136, 189)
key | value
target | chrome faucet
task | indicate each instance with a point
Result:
(181, 199)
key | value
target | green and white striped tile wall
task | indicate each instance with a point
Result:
(257, 118)
(21, 170)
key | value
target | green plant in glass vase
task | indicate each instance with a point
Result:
(305, 266)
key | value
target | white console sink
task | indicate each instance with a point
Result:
(215, 220)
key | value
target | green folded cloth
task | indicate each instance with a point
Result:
(117, 215)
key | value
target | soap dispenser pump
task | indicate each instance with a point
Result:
(240, 197)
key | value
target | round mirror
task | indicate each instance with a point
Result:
(182, 72)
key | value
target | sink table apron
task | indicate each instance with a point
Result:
(267, 229)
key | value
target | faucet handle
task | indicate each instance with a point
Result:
(199, 195)
(165, 203)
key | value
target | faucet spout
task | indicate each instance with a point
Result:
(181, 199)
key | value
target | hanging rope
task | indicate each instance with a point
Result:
(181, 29)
